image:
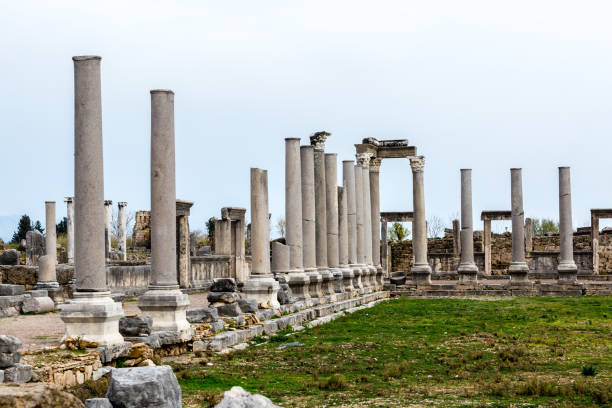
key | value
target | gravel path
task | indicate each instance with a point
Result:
(39, 331)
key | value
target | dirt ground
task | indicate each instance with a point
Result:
(39, 331)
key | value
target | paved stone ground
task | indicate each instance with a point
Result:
(39, 331)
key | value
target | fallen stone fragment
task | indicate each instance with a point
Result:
(99, 373)
(202, 315)
(292, 344)
(38, 305)
(248, 305)
(134, 326)
(237, 397)
(229, 309)
(223, 297)
(223, 285)
(36, 395)
(151, 387)
(98, 403)
(9, 257)
(19, 373)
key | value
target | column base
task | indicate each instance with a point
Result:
(568, 271)
(357, 283)
(314, 287)
(299, 283)
(167, 307)
(518, 272)
(373, 272)
(327, 285)
(337, 280)
(94, 317)
(347, 279)
(468, 272)
(380, 282)
(421, 274)
(264, 289)
(46, 285)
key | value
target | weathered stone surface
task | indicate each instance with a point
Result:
(152, 387)
(9, 359)
(202, 315)
(38, 305)
(36, 395)
(398, 280)
(11, 290)
(38, 293)
(223, 285)
(229, 309)
(99, 373)
(35, 247)
(199, 345)
(9, 257)
(237, 397)
(98, 403)
(19, 373)
(217, 326)
(134, 326)
(248, 305)
(203, 251)
(225, 297)
(285, 295)
(9, 344)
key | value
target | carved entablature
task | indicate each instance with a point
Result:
(417, 163)
(317, 140)
(183, 207)
(386, 149)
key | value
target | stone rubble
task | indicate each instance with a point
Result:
(237, 397)
(151, 387)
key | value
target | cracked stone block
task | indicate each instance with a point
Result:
(19, 373)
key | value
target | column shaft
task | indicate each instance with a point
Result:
(375, 206)
(567, 267)
(331, 208)
(518, 268)
(69, 229)
(50, 233)
(260, 228)
(348, 176)
(320, 209)
(107, 228)
(360, 247)
(293, 203)
(122, 230)
(468, 271)
(308, 208)
(421, 271)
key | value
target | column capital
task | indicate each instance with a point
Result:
(317, 140)
(108, 202)
(375, 164)
(68, 199)
(417, 163)
(122, 204)
(363, 159)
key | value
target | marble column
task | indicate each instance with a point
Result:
(296, 278)
(50, 233)
(518, 268)
(468, 271)
(92, 314)
(107, 229)
(309, 240)
(318, 142)
(421, 271)
(567, 267)
(331, 210)
(348, 180)
(69, 229)
(261, 285)
(364, 161)
(343, 244)
(375, 218)
(122, 230)
(47, 274)
(164, 301)
(361, 271)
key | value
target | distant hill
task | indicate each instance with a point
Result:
(8, 225)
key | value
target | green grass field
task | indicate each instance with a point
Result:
(427, 352)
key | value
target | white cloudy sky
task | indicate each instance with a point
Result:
(483, 84)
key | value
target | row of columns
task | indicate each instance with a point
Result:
(92, 314)
(518, 269)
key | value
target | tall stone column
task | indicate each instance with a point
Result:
(361, 271)
(567, 267)
(92, 314)
(486, 244)
(183, 258)
(368, 282)
(421, 271)
(348, 180)
(375, 218)
(468, 271)
(318, 142)
(518, 268)
(47, 273)
(309, 240)
(296, 278)
(164, 301)
(261, 285)
(69, 229)
(107, 228)
(122, 230)
(343, 244)
(331, 209)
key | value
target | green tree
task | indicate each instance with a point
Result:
(62, 226)
(398, 232)
(210, 231)
(38, 226)
(543, 226)
(23, 227)
(281, 226)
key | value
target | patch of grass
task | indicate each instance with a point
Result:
(334, 383)
(92, 389)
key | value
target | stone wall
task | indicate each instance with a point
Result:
(141, 236)
(543, 256)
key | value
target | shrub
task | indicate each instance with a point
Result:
(589, 371)
(334, 383)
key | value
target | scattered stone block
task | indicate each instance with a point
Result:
(98, 403)
(9, 359)
(238, 397)
(217, 326)
(101, 372)
(37, 395)
(223, 285)
(19, 373)
(248, 305)
(292, 344)
(37, 305)
(11, 290)
(229, 309)
(240, 346)
(9, 257)
(202, 315)
(135, 326)
(38, 293)
(199, 345)
(35, 246)
(152, 387)
(223, 297)
(9, 344)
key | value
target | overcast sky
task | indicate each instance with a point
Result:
(488, 85)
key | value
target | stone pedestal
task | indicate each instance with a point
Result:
(468, 271)
(518, 269)
(567, 268)
(421, 271)
(92, 314)
(261, 286)
(163, 301)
